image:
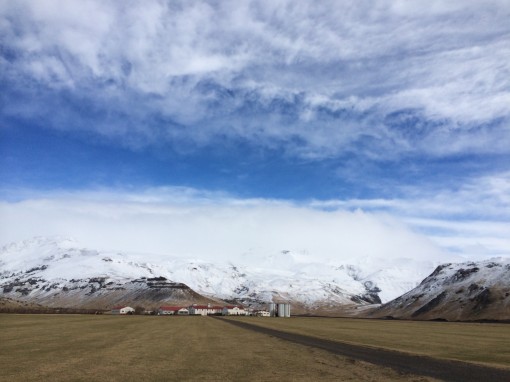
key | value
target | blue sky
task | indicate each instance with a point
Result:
(398, 110)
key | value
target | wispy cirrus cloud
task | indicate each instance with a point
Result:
(296, 112)
(318, 80)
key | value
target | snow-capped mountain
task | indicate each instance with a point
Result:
(465, 291)
(59, 272)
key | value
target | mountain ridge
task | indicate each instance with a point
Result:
(58, 271)
(466, 291)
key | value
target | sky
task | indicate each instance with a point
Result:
(338, 129)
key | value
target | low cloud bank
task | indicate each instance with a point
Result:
(189, 223)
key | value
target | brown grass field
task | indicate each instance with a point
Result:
(149, 348)
(482, 343)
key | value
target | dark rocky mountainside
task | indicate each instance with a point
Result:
(60, 273)
(457, 292)
(100, 292)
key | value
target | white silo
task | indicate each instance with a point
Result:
(272, 309)
(287, 310)
(281, 310)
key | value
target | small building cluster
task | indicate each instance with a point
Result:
(175, 310)
(204, 310)
(275, 310)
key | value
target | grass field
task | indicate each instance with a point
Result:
(485, 343)
(148, 348)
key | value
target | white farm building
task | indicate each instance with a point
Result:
(173, 310)
(205, 310)
(232, 310)
(123, 310)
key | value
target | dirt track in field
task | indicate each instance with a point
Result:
(402, 362)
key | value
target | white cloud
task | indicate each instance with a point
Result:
(472, 221)
(445, 61)
(319, 79)
(182, 222)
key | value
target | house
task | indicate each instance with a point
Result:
(172, 310)
(232, 310)
(263, 313)
(123, 310)
(205, 310)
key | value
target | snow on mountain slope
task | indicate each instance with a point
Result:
(56, 269)
(393, 277)
(57, 273)
(466, 291)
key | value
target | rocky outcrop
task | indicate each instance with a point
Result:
(457, 292)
